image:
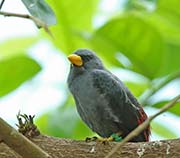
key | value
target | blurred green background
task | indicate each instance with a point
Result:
(138, 40)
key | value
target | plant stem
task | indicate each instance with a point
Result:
(1, 4)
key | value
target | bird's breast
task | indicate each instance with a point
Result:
(92, 106)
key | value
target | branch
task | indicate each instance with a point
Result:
(1, 4)
(141, 127)
(67, 148)
(20, 143)
(57, 148)
(37, 21)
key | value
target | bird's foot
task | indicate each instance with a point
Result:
(91, 139)
(99, 140)
(114, 137)
(105, 140)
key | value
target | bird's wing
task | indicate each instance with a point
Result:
(122, 103)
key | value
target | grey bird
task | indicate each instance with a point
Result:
(103, 102)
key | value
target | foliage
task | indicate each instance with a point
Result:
(40, 10)
(19, 68)
(16, 66)
(148, 38)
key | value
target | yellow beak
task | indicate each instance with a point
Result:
(75, 59)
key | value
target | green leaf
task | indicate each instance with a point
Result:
(169, 10)
(170, 62)
(41, 10)
(175, 109)
(162, 130)
(74, 18)
(132, 35)
(166, 19)
(16, 46)
(171, 36)
(148, 41)
(168, 30)
(105, 49)
(137, 88)
(64, 123)
(14, 71)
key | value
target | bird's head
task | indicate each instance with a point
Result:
(85, 59)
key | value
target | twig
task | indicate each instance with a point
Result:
(2, 2)
(20, 143)
(26, 125)
(37, 21)
(141, 127)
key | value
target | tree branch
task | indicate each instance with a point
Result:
(1, 4)
(141, 127)
(20, 143)
(37, 21)
(67, 148)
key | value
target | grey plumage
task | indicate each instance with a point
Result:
(102, 100)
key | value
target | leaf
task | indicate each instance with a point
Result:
(41, 10)
(168, 30)
(170, 60)
(171, 36)
(132, 35)
(105, 49)
(137, 88)
(147, 45)
(74, 18)
(16, 70)
(169, 10)
(16, 46)
(162, 130)
(175, 109)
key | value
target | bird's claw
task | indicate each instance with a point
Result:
(114, 137)
(105, 140)
(99, 140)
(91, 139)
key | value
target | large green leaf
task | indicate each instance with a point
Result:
(14, 71)
(132, 35)
(167, 21)
(170, 60)
(16, 46)
(41, 10)
(150, 47)
(168, 29)
(137, 88)
(171, 37)
(73, 17)
(169, 9)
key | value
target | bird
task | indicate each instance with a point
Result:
(102, 100)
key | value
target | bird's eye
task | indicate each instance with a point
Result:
(86, 57)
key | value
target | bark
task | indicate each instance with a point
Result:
(19, 143)
(67, 148)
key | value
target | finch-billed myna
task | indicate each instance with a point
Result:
(103, 102)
